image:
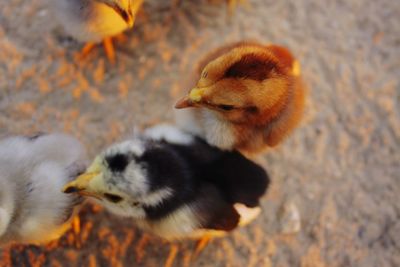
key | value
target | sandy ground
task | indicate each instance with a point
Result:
(335, 197)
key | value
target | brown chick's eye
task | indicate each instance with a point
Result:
(112, 198)
(226, 107)
(252, 109)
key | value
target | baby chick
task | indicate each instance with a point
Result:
(248, 97)
(33, 171)
(96, 20)
(175, 185)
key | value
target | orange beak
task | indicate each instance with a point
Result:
(184, 102)
(194, 98)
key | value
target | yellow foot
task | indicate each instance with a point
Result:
(172, 255)
(108, 48)
(201, 244)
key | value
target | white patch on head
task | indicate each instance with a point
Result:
(218, 132)
(246, 214)
(138, 181)
(156, 197)
(135, 147)
(169, 133)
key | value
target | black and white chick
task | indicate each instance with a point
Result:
(33, 170)
(175, 185)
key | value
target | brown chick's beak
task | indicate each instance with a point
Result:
(185, 102)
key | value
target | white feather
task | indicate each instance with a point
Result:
(32, 174)
(157, 197)
(169, 133)
(205, 124)
(179, 224)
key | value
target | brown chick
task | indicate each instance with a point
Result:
(248, 97)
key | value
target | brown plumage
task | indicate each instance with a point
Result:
(248, 97)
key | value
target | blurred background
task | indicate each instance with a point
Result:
(335, 194)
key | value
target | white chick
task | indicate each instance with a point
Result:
(33, 170)
(175, 185)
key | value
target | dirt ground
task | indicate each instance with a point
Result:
(335, 197)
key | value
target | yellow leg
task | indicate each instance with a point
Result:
(109, 49)
(171, 256)
(201, 244)
(86, 50)
(76, 225)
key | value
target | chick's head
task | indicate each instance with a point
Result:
(247, 84)
(128, 178)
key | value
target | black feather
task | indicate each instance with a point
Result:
(204, 177)
(117, 162)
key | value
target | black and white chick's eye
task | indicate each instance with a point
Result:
(226, 107)
(112, 197)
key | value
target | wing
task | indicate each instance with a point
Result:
(239, 179)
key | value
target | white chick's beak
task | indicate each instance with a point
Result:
(90, 183)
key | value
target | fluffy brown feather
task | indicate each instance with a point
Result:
(254, 90)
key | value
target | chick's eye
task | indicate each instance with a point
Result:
(135, 203)
(113, 198)
(226, 107)
(35, 136)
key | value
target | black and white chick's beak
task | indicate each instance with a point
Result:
(90, 183)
